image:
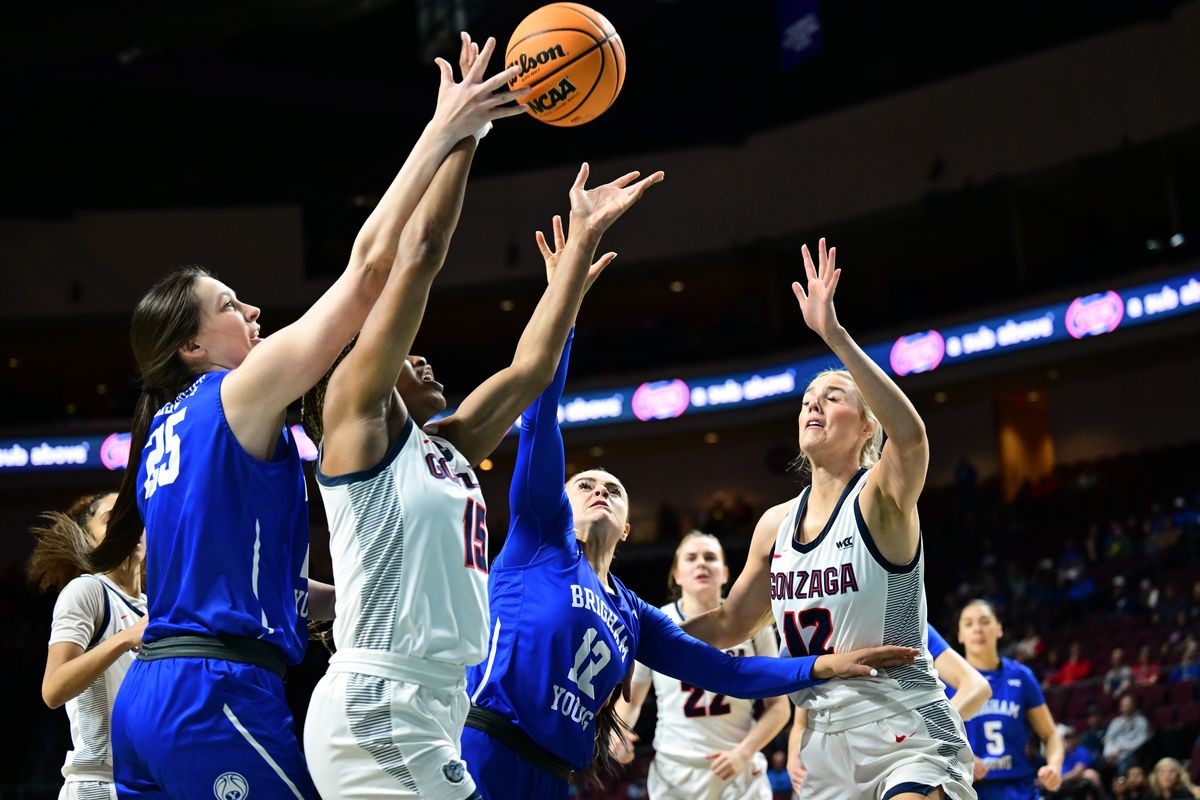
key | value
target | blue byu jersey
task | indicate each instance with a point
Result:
(226, 533)
(999, 730)
(560, 641)
(937, 643)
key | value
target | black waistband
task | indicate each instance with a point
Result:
(227, 648)
(517, 740)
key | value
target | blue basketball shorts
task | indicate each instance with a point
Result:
(205, 729)
(1018, 789)
(501, 774)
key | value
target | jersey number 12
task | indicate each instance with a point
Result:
(818, 618)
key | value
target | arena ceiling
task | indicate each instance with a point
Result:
(135, 104)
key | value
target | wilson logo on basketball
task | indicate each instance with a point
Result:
(529, 62)
(544, 102)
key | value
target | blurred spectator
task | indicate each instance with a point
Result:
(1181, 631)
(1194, 606)
(1188, 669)
(1093, 735)
(1132, 785)
(1123, 601)
(1074, 670)
(1030, 646)
(781, 784)
(1128, 731)
(1146, 670)
(1170, 606)
(1170, 782)
(1080, 779)
(1119, 676)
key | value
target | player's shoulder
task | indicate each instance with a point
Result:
(1018, 670)
(84, 591)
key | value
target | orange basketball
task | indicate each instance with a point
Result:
(572, 59)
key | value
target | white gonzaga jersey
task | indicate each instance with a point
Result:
(409, 544)
(89, 610)
(837, 593)
(693, 722)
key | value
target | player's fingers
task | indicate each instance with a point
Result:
(444, 68)
(645, 183)
(485, 55)
(500, 79)
(822, 257)
(626, 179)
(559, 238)
(540, 238)
(503, 112)
(832, 259)
(581, 178)
(602, 262)
(833, 282)
(809, 270)
(500, 98)
(798, 290)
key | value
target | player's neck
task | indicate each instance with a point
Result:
(693, 605)
(988, 661)
(828, 483)
(127, 577)
(599, 554)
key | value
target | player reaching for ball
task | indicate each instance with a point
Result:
(565, 632)
(408, 522)
(215, 477)
(841, 567)
(706, 745)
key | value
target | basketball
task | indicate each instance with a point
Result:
(572, 59)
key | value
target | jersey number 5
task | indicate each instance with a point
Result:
(164, 444)
(794, 621)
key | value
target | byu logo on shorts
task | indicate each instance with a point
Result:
(231, 786)
(454, 771)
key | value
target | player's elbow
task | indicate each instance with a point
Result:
(423, 245)
(53, 696)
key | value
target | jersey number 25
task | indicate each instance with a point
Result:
(162, 460)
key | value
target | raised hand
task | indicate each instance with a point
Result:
(596, 209)
(465, 107)
(560, 241)
(862, 663)
(816, 304)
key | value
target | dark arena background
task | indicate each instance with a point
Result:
(1013, 188)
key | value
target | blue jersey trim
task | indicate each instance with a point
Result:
(368, 474)
(897, 569)
(809, 546)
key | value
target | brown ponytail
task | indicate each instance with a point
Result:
(64, 544)
(165, 319)
(604, 761)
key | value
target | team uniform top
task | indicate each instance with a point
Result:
(226, 533)
(999, 730)
(937, 646)
(560, 641)
(89, 610)
(837, 593)
(409, 545)
(693, 721)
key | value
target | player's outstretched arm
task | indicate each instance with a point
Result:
(291, 361)
(665, 648)
(1042, 722)
(486, 414)
(748, 606)
(896, 482)
(971, 690)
